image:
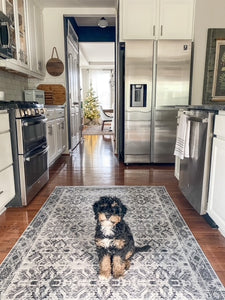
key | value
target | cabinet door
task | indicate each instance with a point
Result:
(63, 134)
(51, 139)
(176, 19)
(216, 204)
(7, 187)
(21, 32)
(9, 10)
(138, 19)
(59, 136)
(35, 33)
(5, 150)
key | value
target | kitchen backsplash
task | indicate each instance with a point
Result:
(13, 85)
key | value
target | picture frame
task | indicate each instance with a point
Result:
(218, 87)
(213, 35)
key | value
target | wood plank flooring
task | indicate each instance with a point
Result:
(93, 164)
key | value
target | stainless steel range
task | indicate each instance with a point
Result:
(30, 149)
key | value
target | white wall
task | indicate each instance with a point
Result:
(13, 85)
(208, 14)
(54, 32)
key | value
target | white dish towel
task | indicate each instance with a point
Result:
(183, 137)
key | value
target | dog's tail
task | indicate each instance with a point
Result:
(142, 249)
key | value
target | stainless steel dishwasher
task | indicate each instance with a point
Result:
(194, 171)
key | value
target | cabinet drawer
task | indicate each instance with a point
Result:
(50, 115)
(4, 121)
(5, 150)
(7, 187)
(59, 113)
(220, 125)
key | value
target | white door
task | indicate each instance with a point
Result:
(74, 120)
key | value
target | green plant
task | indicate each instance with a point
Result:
(91, 104)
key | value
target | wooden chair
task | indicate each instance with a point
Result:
(105, 118)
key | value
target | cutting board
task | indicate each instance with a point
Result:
(55, 94)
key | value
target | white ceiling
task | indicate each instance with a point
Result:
(79, 3)
(97, 55)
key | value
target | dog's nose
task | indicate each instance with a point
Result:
(108, 215)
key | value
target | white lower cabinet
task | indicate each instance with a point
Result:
(216, 201)
(56, 135)
(7, 185)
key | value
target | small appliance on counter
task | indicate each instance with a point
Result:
(34, 96)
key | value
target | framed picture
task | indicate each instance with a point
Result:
(218, 87)
(213, 89)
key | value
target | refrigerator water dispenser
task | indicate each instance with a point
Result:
(138, 93)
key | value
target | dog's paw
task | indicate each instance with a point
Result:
(104, 277)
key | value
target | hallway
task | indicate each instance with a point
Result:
(93, 164)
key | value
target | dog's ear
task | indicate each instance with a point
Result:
(96, 208)
(123, 209)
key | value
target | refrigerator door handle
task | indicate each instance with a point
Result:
(161, 30)
(153, 30)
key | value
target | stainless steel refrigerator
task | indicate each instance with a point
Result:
(157, 81)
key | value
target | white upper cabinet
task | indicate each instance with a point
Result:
(35, 36)
(16, 12)
(156, 19)
(176, 19)
(137, 19)
(26, 37)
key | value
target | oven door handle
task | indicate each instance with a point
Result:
(34, 122)
(38, 153)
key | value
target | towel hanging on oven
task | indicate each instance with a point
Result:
(54, 65)
(183, 137)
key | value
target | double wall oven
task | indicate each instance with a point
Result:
(30, 149)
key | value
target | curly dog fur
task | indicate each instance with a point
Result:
(113, 238)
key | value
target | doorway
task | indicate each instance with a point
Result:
(97, 63)
(96, 59)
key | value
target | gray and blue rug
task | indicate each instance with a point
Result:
(56, 258)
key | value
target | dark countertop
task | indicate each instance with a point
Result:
(208, 107)
(4, 105)
(212, 107)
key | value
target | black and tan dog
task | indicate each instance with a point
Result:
(114, 240)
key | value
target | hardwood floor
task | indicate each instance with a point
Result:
(93, 164)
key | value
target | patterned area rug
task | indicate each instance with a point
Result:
(96, 130)
(56, 257)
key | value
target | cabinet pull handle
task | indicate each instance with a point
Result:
(1, 192)
(161, 30)
(50, 130)
(153, 30)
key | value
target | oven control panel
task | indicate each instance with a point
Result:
(30, 112)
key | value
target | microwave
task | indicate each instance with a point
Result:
(6, 49)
